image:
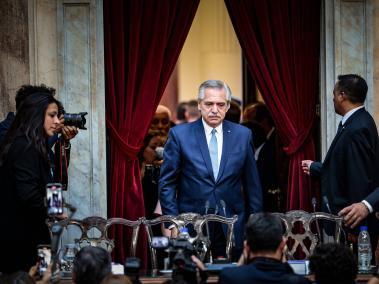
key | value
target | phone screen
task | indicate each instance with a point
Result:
(44, 258)
(54, 199)
(159, 242)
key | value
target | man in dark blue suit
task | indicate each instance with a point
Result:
(211, 160)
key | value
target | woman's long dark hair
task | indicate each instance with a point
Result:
(29, 121)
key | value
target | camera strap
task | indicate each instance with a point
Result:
(62, 158)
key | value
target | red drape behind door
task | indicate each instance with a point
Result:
(280, 39)
(143, 40)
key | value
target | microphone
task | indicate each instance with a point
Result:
(314, 202)
(326, 201)
(159, 153)
(207, 231)
(223, 205)
(216, 210)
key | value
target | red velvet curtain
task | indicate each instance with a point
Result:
(143, 39)
(280, 39)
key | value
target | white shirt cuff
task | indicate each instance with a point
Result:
(369, 207)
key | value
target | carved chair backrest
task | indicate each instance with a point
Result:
(299, 234)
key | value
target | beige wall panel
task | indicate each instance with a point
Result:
(14, 54)
(211, 51)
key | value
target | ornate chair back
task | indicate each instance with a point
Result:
(199, 228)
(135, 225)
(94, 231)
(299, 233)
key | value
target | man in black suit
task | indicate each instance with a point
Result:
(349, 172)
(262, 255)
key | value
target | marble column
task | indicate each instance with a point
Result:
(346, 47)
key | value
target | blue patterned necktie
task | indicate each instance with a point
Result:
(214, 153)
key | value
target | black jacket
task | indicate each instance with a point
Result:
(349, 172)
(23, 178)
(261, 270)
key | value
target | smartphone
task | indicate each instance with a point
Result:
(44, 258)
(54, 199)
(159, 242)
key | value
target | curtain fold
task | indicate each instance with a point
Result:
(143, 40)
(280, 39)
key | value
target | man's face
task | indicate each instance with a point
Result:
(337, 98)
(160, 123)
(214, 106)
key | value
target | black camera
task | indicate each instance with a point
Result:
(179, 251)
(131, 269)
(75, 119)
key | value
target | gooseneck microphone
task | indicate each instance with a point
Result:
(207, 231)
(314, 202)
(223, 205)
(326, 201)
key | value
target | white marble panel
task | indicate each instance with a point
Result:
(346, 47)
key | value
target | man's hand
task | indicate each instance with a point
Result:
(354, 214)
(69, 132)
(306, 166)
(174, 233)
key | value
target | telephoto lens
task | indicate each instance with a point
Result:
(75, 119)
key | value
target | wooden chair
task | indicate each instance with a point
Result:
(94, 231)
(198, 222)
(135, 225)
(298, 230)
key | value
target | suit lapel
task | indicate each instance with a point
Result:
(225, 148)
(203, 145)
(339, 133)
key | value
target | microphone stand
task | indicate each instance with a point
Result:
(207, 229)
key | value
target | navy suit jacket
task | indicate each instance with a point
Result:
(186, 178)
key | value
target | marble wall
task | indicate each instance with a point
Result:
(14, 51)
(346, 47)
(67, 53)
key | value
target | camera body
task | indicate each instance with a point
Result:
(179, 251)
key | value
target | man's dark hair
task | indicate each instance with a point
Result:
(333, 263)
(234, 113)
(181, 110)
(192, 109)
(354, 87)
(27, 90)
(264, 232)
(91, 265)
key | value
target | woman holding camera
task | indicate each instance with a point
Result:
(24, 172)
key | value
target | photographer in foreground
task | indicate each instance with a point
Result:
(261, 261)
(24, 172)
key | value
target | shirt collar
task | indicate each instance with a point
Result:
(208, 129)
(350, 113)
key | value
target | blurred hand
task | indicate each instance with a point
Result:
(354, 214)
(46, 276)
(306, 166)
(69, 132)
